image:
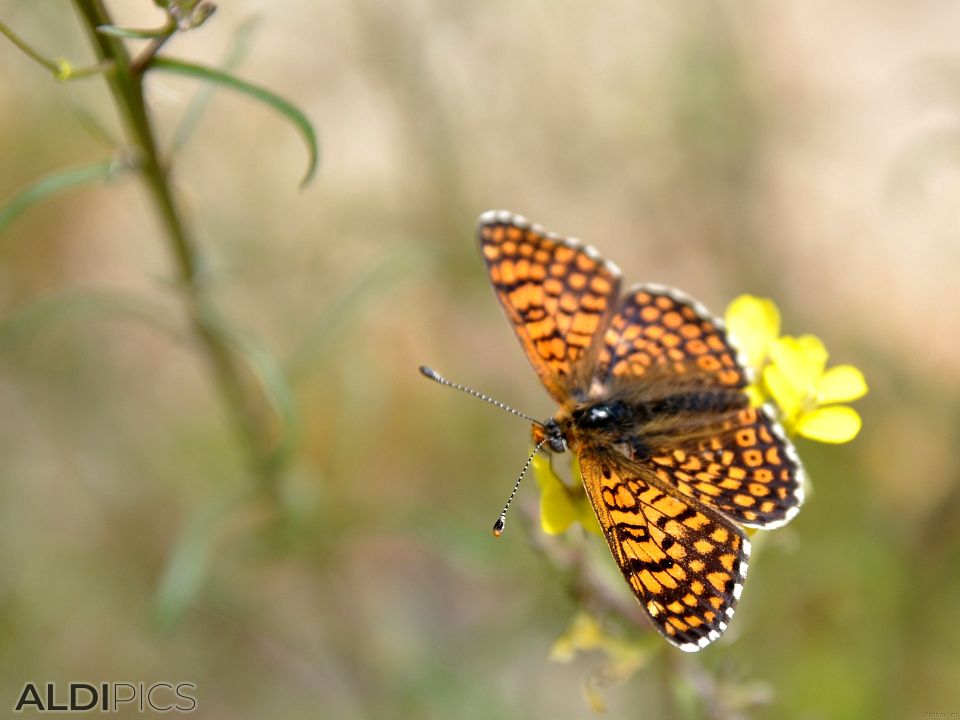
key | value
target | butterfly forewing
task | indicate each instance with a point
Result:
(685, 562)
(659, 332)
(557, 293)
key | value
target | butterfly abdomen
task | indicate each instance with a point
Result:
(696, 402)
(611, 416)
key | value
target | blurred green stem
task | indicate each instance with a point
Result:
(61, 69)
(51, 65)
(126, 85)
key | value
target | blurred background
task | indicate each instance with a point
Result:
(806, 152)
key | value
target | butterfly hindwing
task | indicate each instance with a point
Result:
(745, 467)
(557, 293)
(685, 562)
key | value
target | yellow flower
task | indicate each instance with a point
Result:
(560, 504)
(792, 371)
(754, 323)
(623, 658)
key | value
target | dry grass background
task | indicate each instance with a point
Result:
(803, 151)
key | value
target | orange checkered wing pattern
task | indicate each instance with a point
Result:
(659, 333)
(661, 342)
(685, 562)
(741, 464)
(558, 294)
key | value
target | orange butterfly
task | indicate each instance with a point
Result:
(652, 398)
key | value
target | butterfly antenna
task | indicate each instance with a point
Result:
(437, 377)
(501, 521)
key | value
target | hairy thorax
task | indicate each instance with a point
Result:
(635, 425)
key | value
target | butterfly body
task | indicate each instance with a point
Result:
(636, 425)
(674, 459)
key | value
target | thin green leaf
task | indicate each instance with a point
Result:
(50, 64)
(239, 49)
(37, 315)
(284, 107)
(55, 183)
(134, 33)
(275, 386)
(61, 68)
(189, 561)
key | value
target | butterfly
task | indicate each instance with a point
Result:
(675, 460)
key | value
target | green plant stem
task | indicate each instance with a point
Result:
(126, 85)
(140, 63)
(49, 64)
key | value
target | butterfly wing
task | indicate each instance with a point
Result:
(658, 333)
(685, 562)
(661, 342)
(557, 293)
(741, 464)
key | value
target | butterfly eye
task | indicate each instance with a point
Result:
(555, 436)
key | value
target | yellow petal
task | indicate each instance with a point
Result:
(585, 633)
(543, 471)
(598, 705)
(585, 512)
(587, 517)
(753, 323)
(786, 354)
(833, 424)
(557, 510)
(842, 383)
(755, 393)
(787, 396)
(815, 355)
(801, 359)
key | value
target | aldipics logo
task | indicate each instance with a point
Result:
(108, 696)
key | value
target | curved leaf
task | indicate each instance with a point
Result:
(52, 65)
(284, 107)
(36, 315)
(276, 387)
(55, 183)
(273, 383)
(134, 33)
(238, 51)
(190, 558)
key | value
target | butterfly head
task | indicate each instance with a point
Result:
(551, 431)
(610, 421)
(559, 433)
